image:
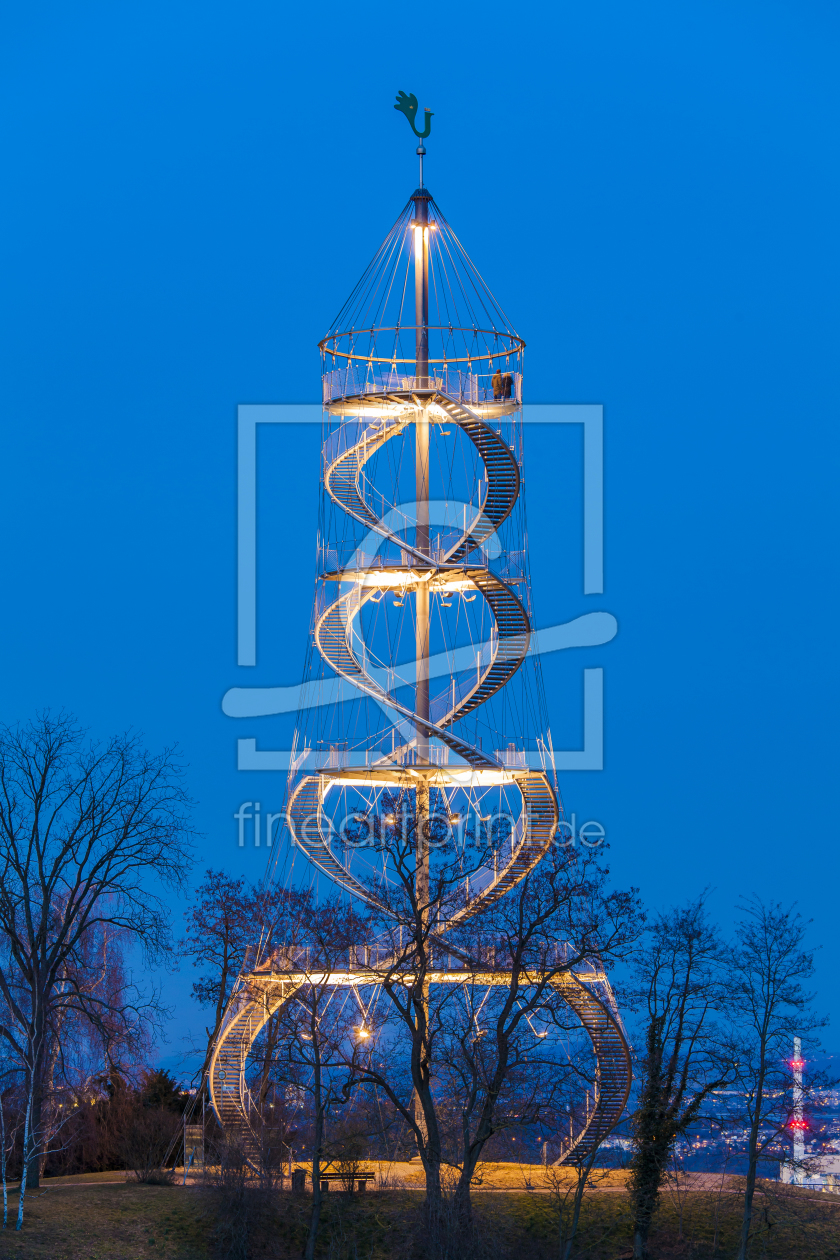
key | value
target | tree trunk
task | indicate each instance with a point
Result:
(27, 1142)
(463, 1196)
(463, 1199)
(717, 1203)
(44, 1142)
(36, 1107)
(429, 1147)
(35, 1095)
(647, 1177)
(472, 1149)
(315, 1215)
(3, 1164)
(583, 1177)
(749, 1189)
(752, 1149)
(318, 1146)
(434, 1213)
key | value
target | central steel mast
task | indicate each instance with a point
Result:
(421, 481)
(421, 541)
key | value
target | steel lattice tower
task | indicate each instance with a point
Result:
(422, 689)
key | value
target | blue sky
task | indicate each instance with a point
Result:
(650, 190)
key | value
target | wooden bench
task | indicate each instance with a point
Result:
(360, 1177)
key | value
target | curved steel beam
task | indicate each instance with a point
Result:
(261, 994)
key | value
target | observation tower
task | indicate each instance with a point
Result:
(423, 738)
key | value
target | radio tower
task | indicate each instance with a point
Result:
(798, 1124)
(423, 707)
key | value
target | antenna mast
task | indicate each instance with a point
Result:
(407, 104)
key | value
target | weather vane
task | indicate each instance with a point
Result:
(407, 104)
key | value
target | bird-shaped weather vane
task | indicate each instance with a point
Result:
(407, 104)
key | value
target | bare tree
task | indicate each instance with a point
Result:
(86, 832)
(219, 930)
(223, 924)
(768, 967)
(464, 1060)
(77, 1048)
(561, 917)
(406, 912)
(317, 1050)
(680, 984)
(566, 1186)
(7, 1074)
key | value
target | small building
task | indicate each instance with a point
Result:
(816, 1172)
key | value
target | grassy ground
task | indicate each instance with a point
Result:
(86, 1218)
(93, 1218)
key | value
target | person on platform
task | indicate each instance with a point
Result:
(507, 385)
(498, 384)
